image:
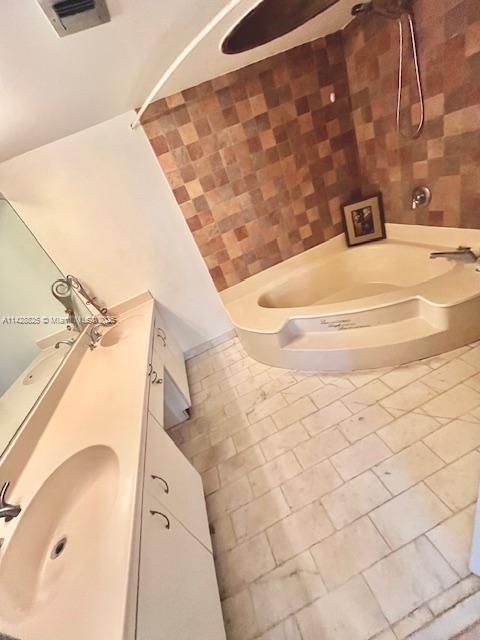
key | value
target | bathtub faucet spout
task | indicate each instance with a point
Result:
(465, 253)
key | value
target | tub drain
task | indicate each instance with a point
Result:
(58, 549)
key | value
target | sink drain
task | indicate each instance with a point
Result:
(58, 549)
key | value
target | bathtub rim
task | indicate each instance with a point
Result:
(241, 300)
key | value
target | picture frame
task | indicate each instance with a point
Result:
(364, 221)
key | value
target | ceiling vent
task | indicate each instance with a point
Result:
(71, 16)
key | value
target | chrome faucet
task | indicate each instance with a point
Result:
(7, 511)
(70, 343)
(460, 252)
(95, 335)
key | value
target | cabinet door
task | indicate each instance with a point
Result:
(172, 356)
(157, 388)
(171, 479)
(177, 592)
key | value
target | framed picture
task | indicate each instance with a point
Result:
(364, 221)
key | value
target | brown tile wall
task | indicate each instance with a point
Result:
(447, 155)
(259, 160)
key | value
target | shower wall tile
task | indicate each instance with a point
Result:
(260, 160)
(446, 157)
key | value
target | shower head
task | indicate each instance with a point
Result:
(393, 9)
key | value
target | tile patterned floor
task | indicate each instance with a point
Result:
(342, 505)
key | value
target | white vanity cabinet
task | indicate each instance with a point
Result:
(178, 594)
(177, 591)
(171, 479)
(172, 356)
(168, 370)
(156, 400)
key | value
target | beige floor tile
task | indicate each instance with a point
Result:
(457, 484)
(367, 421)
(332, 391)
(210, 481)
(283, 441)
(253, 434)
(239, 617)
(311, 485)
(355, 499)
(320, 447)
(293, 413)
(453, 538)
(361, 377)
(409, 515)
(266, 407)
(278, 382)
(365, 396)
(225, 427)
(349, 613)
(474, 382)
(348, 552)
(196, 445)
(414, 621)
(408, 467)
(240, 566)
(452, 622)
(410, 397)
(325, 418)
(443, 358)
(454, 595)
(408, 578)
(259, 514)
(240, 465)
(274, 473)
(453, 403)
(407, 429)
(454, 439)
(401, 376)
(247, 402)
(223, 535)
(219, 400)
(299, 531)
(472, 356)
(286, 630)
(386, 635)
(266, 481)
(229, 498)
(471, 634)
(360, 456)
(303, 388)
(286, 590)
(214, 455)
(251, 383)
(449, 375)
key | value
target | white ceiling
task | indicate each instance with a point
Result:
(51, 87)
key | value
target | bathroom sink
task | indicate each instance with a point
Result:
(60, 534)
(123, 330)
(44, 369)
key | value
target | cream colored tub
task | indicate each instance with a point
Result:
(335, 308)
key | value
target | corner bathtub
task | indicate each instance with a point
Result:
(334, 308)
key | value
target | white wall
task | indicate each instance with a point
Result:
(101, 206)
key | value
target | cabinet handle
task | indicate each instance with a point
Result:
(167, 488)
(155, 376)
(150, 369)
(159, 513)
(162, 335)
(159, 381)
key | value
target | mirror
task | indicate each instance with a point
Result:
(33, 321)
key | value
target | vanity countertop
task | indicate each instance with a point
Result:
(67, 563)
